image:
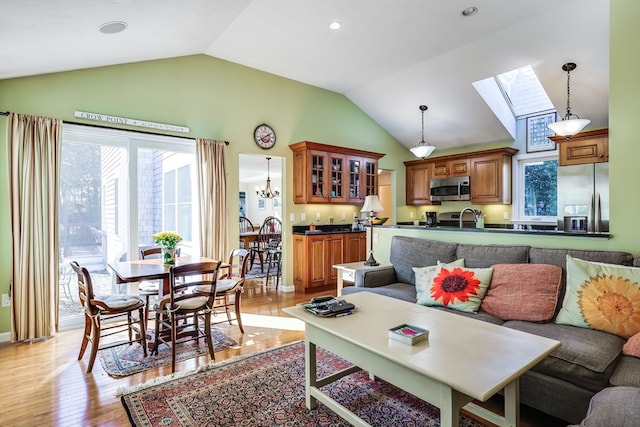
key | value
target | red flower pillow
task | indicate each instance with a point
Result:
(458, 288)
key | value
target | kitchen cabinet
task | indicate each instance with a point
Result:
(490, 176)
(418, 177)
(315, 255)
(450, 168)
(489, 172)
(583, 148)
(330, 174)
(355, 245)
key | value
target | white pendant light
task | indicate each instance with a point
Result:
(422, 150)
(569, 126)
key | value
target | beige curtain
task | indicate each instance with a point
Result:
(212, 187)
(34, 148)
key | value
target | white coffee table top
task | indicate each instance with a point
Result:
(474, 357)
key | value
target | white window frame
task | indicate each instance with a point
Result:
(518, 163)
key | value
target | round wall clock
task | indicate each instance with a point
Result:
(264, 136)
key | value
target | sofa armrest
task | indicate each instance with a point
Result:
(374, 277)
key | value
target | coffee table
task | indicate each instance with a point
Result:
(463, 360)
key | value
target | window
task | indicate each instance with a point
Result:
(117, 188)
(535, 188)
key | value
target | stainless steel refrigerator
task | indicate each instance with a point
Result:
(583, 197)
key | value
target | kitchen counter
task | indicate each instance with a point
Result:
(497, 228)
(324, 229)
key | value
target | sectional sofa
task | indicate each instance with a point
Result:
(527, 293)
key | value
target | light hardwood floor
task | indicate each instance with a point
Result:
(45, 385)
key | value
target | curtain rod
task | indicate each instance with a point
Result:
(6, 113)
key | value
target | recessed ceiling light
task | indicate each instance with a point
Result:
(469, 11)
(113, 27)
(335, 25)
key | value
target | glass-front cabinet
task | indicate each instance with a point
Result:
(330, 174)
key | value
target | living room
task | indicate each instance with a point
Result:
(224, 100)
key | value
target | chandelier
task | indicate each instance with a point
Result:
(266, 191)
(422, 150)
(568, 126)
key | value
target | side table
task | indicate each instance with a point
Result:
(347, 273)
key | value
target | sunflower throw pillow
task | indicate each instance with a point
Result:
(601, 296)
(425, 275)
(457, 288)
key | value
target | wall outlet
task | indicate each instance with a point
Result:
(375, 238)
(292, 216)
(303, 217)
(505, 215)
(6, 302)
(410, 214)
(343, 216)
(317, 217)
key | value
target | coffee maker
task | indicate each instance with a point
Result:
(431, 219)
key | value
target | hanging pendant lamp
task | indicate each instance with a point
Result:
(266, 191)
(569, 126)
(422, 150)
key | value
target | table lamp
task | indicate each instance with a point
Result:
(371, 205)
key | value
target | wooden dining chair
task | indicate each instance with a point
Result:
(111, 308)
(269, 235)
(230, 284)
(177, 314)
(150, 288)
(245, 224)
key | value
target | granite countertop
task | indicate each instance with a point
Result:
(325, 229)
(503, 228)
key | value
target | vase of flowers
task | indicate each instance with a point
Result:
(167, 240)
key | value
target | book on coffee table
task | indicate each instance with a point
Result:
(408, 334)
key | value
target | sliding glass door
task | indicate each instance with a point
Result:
(117, 188)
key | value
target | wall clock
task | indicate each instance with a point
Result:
(264, 136)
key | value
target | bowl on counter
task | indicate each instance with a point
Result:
(380, 220)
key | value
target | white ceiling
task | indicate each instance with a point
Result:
(389, 57)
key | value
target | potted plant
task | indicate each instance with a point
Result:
(167, 240)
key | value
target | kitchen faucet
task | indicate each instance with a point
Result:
(475, 215)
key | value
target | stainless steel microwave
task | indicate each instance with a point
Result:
(455, 188)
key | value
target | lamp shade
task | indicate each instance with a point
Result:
(422, 150)
(569, 127)
(372, 204)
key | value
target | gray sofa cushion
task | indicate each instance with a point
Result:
(586, 357)
(484, 256)
(408, 252)
(627, 372)
(614, 407)
(480, 315)
(401, 291)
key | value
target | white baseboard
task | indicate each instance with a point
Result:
(5, 336)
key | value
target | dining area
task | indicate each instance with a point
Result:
(264, 243)
(167, 303)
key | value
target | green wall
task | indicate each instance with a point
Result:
(215, 99)
(221, 100)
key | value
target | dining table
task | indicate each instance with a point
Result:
(153, 269)
(248, 237)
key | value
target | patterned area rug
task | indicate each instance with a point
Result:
(128, 359)
(267, 389)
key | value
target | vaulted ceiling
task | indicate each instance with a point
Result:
(389, 57)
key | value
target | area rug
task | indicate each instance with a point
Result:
(267, 389)
(128, 359)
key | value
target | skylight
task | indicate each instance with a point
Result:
(514, 95)
(523, 92)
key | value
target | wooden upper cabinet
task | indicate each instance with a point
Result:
(418, 178)
(491, 178)
(489, 172)
(330, 174)
(583, 148)
(450, 168)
